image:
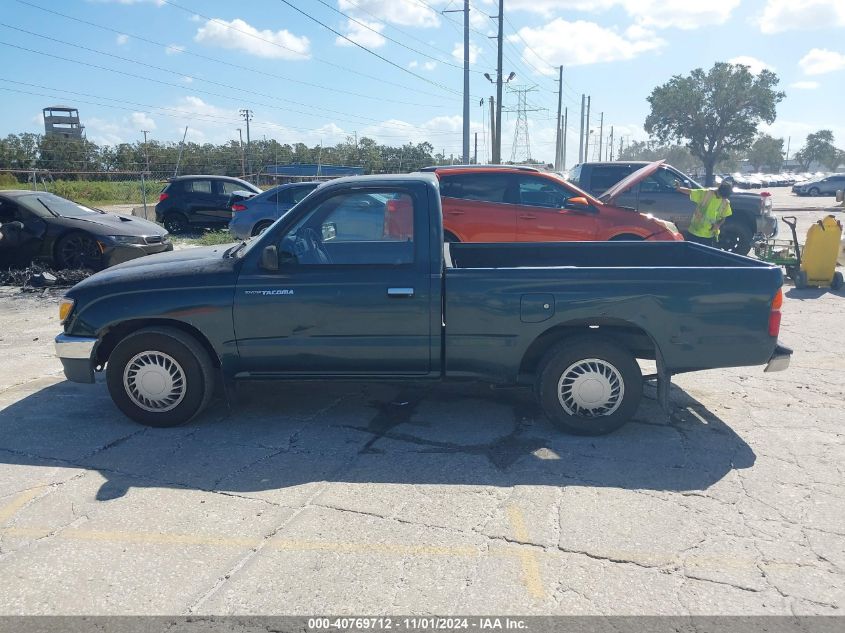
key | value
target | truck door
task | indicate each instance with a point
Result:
(657, 196)
(352, 295)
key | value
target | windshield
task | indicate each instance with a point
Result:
(38, 203)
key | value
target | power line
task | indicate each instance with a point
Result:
(388, 38)
(276, 44)
(215, 94)
(368, 50)
(217, 60)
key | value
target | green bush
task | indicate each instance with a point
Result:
(105, 192)
(8, 181)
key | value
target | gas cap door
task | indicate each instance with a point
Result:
(535, 308)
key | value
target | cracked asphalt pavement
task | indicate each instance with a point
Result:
(315, 498)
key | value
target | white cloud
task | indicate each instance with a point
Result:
(754, 64)
(413, 64)
(142, 121)
(661, 14)
(239, 35)
(174, 49)
(121, 39)
(399, 12)
(786, 15)
(458, 52)
(188, 79)
(581, 43)
(429, 65)
(359, 33)
(820, 61)
(805, 85)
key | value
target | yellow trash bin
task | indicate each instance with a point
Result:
(819, 255)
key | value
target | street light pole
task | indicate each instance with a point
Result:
(246, 113)
(497, 149)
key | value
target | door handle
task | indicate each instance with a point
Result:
(396, 293)
(527, 216)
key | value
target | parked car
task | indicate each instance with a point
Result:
(198, 202)
(501, 203)
(827, 186)
(310, 299)
(64, 234)
(656, 195)
(253, 215)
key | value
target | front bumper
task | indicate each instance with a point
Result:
(76, 354)
(113, 255)
(779, 360)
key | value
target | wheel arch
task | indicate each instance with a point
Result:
(116, 333)
(57, 239)
(624, 333)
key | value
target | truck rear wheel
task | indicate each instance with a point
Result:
(589, 387)
(160, 377)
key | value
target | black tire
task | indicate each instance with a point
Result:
(193, 383)
(815, 191)
(626, 237)
(610, 363)
(261, 227)
(176, 222)
(450, 238)
(78, 250)
(837, 282)
(736, 238)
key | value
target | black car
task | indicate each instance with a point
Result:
(198, 201)
(41, 226)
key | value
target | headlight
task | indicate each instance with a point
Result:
(165, 239)
(65, 308)
(127, 239)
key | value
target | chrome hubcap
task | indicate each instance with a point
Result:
(590, 388)
(154, 381)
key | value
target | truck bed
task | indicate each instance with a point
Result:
(700, 307)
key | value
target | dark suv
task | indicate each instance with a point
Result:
(198, 201)
(752, 212)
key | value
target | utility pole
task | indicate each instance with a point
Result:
(247, 115)
(563, 137)
(619, 157)
(146, 153)
(788, 143)
(497, 148)
(475, 159)
(559, 104)
(610, 143)
(181, 149)
(581, 133)
(601, 133)
(587, 133)
(241, 139)
(493, 126)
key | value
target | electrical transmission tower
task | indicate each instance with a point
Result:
(521, 150)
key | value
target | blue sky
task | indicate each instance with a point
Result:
(160, 65)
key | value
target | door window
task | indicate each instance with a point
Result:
(231, 187)
(479, 187)
(542, 192)
(603, 178)
(661, 181)
(363, 228)
(198, 186)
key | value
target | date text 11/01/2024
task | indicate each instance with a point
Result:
(412, 624)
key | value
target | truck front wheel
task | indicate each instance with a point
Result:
(160, 376)
(736, 238)
(589, 387)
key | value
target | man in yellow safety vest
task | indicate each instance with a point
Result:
(712, 208)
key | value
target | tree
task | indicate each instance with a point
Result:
(767, 152)
(713, 112)
(676, 155)
(818, 148)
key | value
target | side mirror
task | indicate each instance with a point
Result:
(578, 203)
(269, 258)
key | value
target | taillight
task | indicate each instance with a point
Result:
(238, 207)
(163, 196)
(774, 314)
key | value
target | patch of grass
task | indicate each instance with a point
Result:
(95, 192)
(213, 238)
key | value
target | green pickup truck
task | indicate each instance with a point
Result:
(355, 283)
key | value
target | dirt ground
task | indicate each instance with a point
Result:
(455, 499)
